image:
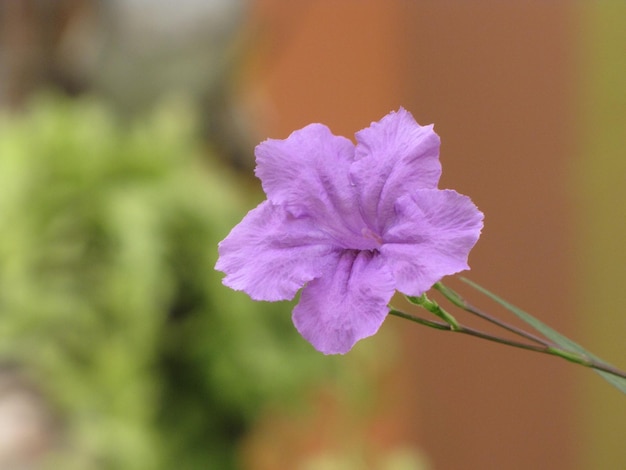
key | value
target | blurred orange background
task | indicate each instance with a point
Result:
(512, 88)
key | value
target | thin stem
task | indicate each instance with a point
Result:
(422, 321)
(468, 331)
(601, 366)
(543, 349)
(555, 349)
(460, 302)
(434, 308)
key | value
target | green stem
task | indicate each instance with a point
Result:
(543, 349)
(434, 308)
(467, 331)
(422, 321)
(460, 302)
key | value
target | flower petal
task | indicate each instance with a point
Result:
(308, 174)
(271, 254)
(393, 157)
(431, 237)
(346, 304)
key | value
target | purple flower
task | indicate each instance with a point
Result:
(350, 224)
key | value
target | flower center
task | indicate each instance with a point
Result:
(371, 239)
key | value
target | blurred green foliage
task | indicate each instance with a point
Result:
(108, 296)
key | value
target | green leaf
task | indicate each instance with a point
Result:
(558, 338)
